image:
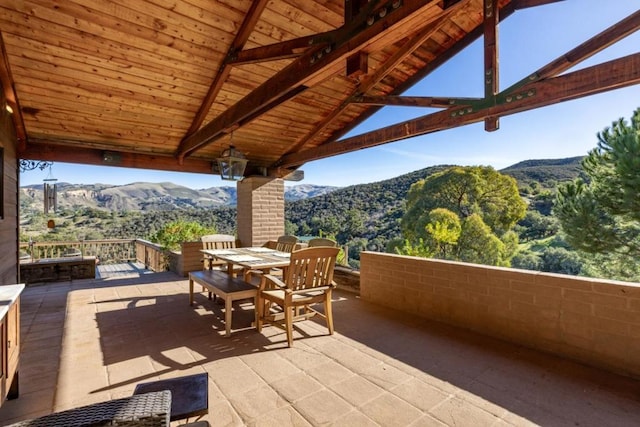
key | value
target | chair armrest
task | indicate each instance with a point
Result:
(306, 291)
(273, 281)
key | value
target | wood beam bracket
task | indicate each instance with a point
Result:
(369, 24)
(357, 65)
(380, 13)
(506, 97)
(317, 55)
(509, 97)
(607, 76)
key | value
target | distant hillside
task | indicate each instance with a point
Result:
(548, 173)
(144, 196)
(380, 205)
(365, 216)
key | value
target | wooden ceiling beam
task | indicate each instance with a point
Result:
(596, 44)
(283, 50)
(491, 68)
(369, 81)
(452, 51)
(352, 8)
(8, 87)
(414, 101)
(248, 24)
(523, 4)
(351, 38)
(604, 77)
(51, 150)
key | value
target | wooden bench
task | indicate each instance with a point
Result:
(224, 286)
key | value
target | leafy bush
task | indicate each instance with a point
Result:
(560, 260)
(172, 234)
(527, 260)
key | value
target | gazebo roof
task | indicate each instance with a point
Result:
(169, 85)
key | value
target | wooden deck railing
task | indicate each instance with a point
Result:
(114, 251)
(109, 251)
(151, 255)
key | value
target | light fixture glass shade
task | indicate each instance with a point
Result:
(232, 164)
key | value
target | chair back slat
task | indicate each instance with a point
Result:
(286, 243)
(311, 268)
(218, 241)
(321, 241)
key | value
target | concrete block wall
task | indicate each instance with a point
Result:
(590, 320)
(260, 212)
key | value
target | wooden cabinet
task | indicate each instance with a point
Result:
(9, 341)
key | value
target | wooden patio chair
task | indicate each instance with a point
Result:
(286, 243)
(308, 280)
(283, 244)
(320, 241)
(216, 241)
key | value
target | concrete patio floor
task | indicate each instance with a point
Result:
(94, 340)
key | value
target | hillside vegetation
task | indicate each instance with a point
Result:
(145, 196)
(546, 173)
(365, 216)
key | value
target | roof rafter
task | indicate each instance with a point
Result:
(283, 50)
(414, 101)
(462, 44)
(607, 76)
(491, 68)
(369, 81)
(585, 50)
(352, 37)
(249, 22)
(523, 4)
(60, 151)
(10, 95)
(596, 44)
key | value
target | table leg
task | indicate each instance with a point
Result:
(190, 291)
(230, 269)
(228, 303)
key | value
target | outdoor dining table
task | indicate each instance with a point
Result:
(226, 285)
(251, 258)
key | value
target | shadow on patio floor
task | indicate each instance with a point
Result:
(90, 341)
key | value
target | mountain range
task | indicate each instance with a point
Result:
(145, 196)
(165, 196)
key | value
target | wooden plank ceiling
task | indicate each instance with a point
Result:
(170, 84)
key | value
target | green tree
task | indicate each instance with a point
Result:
(527, 260)
(353, 225)
(464, 191)
(463, 213)
(537, 226)
(602, 216)
(290, 228)
(443, 231)
(478, 244)
(173, 233)
(560, 260)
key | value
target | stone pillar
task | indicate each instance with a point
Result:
(260, 210)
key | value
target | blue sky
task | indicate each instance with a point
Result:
(529, 39)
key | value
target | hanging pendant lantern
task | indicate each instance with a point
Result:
(232, 164)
